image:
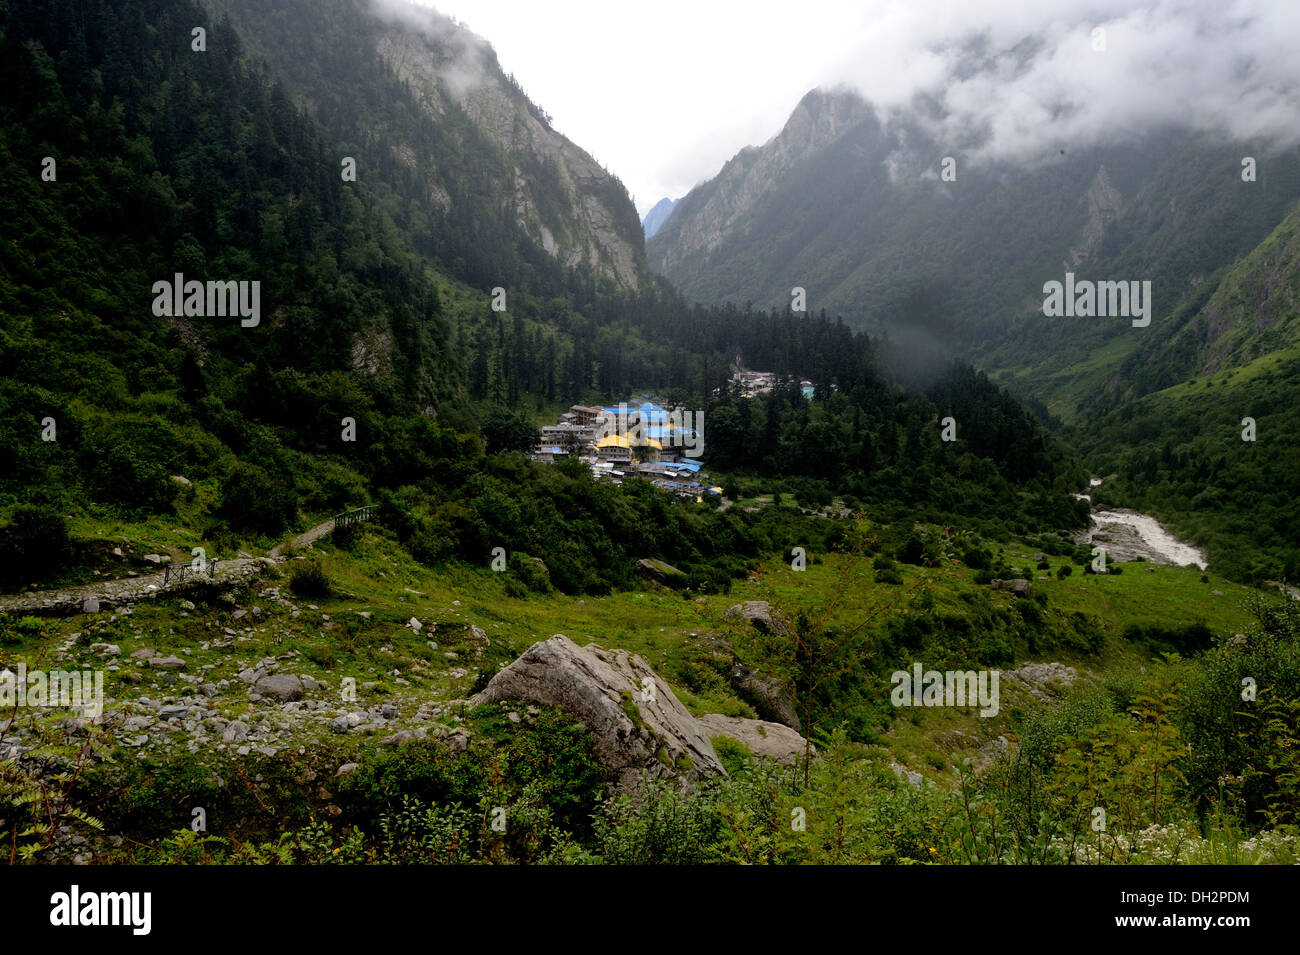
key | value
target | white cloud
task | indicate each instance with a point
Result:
(1216, 66)
(664, 93)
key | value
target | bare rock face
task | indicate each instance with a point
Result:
(764, 739)
(636, 721)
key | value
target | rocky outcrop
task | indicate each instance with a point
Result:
(768, 695)
(759, 613)
(1043, 678)
(637, 723)
(762, 738)
(1104, 207)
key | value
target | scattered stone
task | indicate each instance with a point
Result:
(913, 778)
(346, 769)
(167, 663)
(105, 650)
(90, 604)
(187, 605)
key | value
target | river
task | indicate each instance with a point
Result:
(1128, 535)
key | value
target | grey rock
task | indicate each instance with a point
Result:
(167, 663)
(1040, 675)
(759, 614)
(767, 694)
(660, 572)
(603, 689)
(282, 687)
(90, 604)
(764, 739)
(236, 732)
(1017, 586)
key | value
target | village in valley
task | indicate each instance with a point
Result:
(644, 439)
(633, 439)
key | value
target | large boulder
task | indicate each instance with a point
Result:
(768, 695)
(1017, 585)
(283, 686)
(761, 616)
(764, 739)
(638, 725)
(660, 572)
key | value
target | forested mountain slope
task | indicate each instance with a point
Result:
(476, 175)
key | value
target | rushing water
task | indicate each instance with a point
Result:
(1127, 535)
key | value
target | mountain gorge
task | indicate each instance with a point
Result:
(487, 187)
(863, 216)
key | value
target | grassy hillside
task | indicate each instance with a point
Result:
(420, 749)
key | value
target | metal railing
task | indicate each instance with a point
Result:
(190, 571)
(348, 518)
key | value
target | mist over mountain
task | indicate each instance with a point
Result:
(489, 188)
(864, 215)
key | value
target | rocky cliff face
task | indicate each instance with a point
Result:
(711, 211)
(561, 197)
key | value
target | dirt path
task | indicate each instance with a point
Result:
(302, 540)
(128, 589)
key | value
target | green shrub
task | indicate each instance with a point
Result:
(310, 580)
(34, 543)
(255, 500)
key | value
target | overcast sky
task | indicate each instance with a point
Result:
(664, 92)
